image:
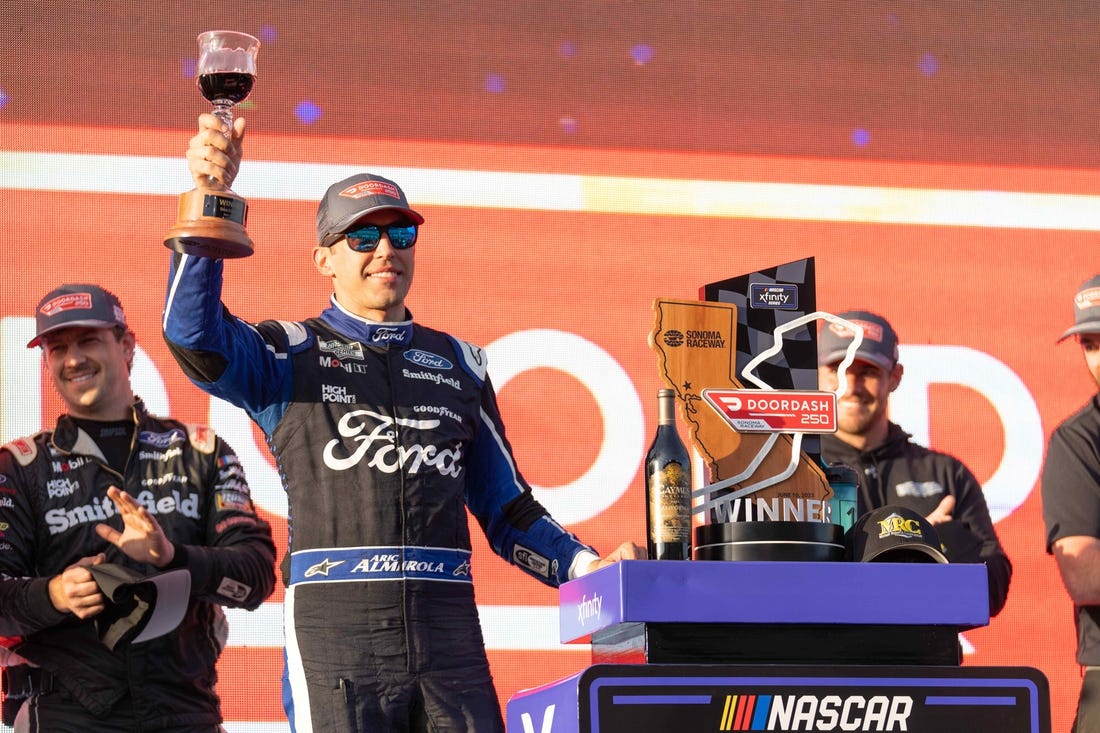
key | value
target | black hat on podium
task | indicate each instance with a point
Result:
(893, 533)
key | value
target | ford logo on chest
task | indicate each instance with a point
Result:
(427, 359)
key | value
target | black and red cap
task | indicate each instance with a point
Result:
(879, 345)
(1086, 309)
(76, 304)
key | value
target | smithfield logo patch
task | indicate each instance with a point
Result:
(427, 359)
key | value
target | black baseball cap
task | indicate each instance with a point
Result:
(142, 607)
(1086, 309)
(76, 304)
(347, 201)
(893, 533)
(879, 345)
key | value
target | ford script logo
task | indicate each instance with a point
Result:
(427, 359)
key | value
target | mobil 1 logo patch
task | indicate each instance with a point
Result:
(773, 296)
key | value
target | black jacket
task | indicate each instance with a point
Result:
(902, 472)
(52, 494)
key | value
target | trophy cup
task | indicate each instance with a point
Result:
(743, 365)
(211, 217)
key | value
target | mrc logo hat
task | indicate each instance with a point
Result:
(893, 533)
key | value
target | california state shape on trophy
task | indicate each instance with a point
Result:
(212, 218)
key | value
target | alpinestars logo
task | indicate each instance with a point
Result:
(816, 712)
(322, 568)
(387, 456)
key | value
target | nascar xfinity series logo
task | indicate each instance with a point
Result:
(778, 296)
(816, 712)
(341, 350)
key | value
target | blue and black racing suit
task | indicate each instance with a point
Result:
(383, 434)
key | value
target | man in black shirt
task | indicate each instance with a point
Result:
(112, 485)
(1071, 506)
(892, 468)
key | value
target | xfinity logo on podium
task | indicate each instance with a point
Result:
(547, 721)
(775, 411)
(589, 608)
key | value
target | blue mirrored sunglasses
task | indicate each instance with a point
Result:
(366, 238)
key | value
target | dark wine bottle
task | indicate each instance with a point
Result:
(668, 487)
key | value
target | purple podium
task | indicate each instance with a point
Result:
(729, 646)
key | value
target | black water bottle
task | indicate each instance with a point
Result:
(668, 487)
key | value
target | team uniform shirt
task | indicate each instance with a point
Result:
(905, 473)
(53, 493)
(1071, 503)
(384, 434)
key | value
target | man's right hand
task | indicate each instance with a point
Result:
(943, 512)
(75, 590)
(211, 154)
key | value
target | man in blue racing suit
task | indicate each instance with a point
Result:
(384, 432)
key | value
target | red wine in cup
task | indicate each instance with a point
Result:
(226, 86)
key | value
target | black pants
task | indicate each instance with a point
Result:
(1088, 704)
(56, 712)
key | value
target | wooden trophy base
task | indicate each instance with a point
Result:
(211, 225)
